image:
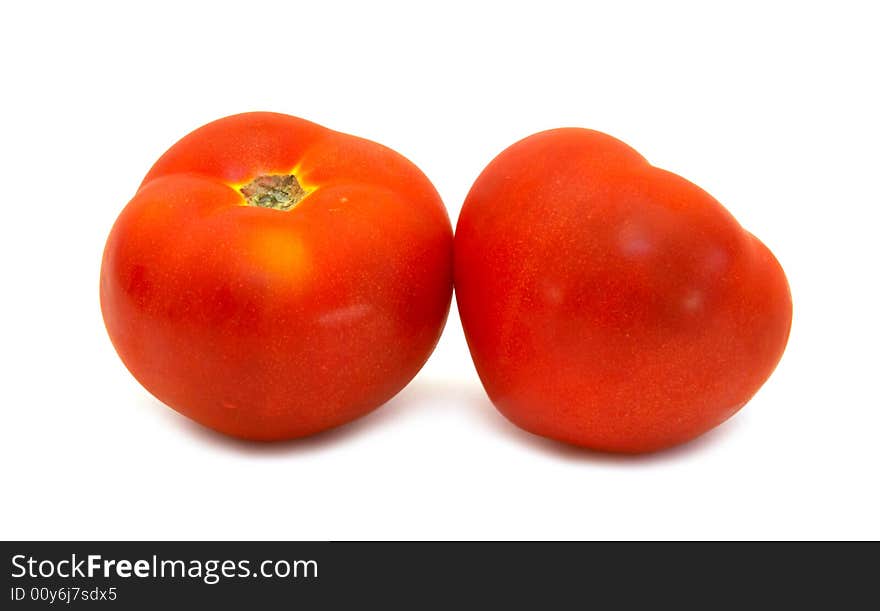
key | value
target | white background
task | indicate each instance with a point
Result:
(771, 107)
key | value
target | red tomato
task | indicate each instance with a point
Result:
(608, 303)
(273, 278)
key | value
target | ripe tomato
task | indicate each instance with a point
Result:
(273, 278)
(608, 303)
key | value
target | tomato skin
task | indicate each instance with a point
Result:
(267, 324)
(608, 303)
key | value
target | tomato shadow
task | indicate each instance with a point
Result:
(317, 442)
(571, 453)
(492, 419)
(423, 396)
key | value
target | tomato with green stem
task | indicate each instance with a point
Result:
(273, 278)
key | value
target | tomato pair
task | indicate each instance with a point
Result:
(272, 278)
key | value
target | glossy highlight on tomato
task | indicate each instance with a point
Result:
(273, 278)
(608, 303)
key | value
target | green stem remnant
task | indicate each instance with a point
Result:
(276, 191)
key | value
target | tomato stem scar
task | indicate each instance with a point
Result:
(276, 191)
